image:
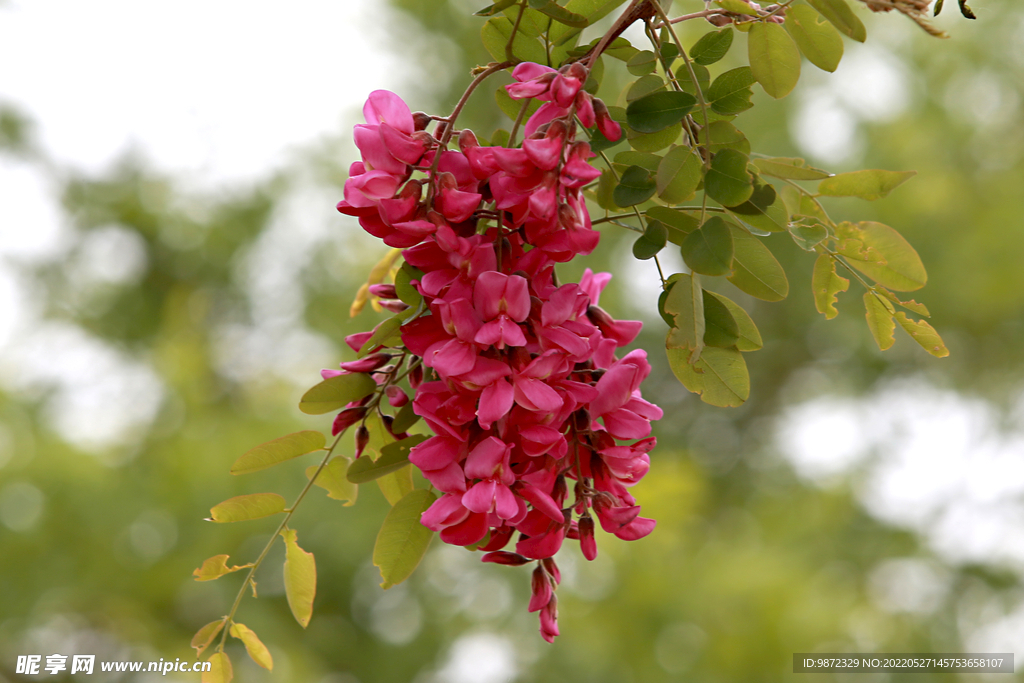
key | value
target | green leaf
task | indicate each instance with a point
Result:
(278, 451)
(808, 236)
(684, 306)
(879, 314)
(403, 285)
(336, 393)
(405, 419)
(911, 305)
(679, 223)
(720, 328)
(653, 142)
(500, 138)
(817, 39)
(842, 17)
(299, 578)
(720, 377)
(392, 457)
(220, 669)
(635, 187)
(214, 568)
(869, 184)
(511, 107)
(789, 168)
(736, 6)
(730, 93)
(258, 652)
(605, 192)
(491, 10)
(593, 10)
(333, 480)
(402, 541)
(727, 181)
(642, 159)
(774, 59)
(495, 35)
(721, 135)
(764, 210)
(642, 63)
(250, 506)
(686, 83)
(887, 257)
(658, 111)
(204, 636)
(826, 285)
(396, 485)
(651, 242)
(755, 269)
(562, 15)
(709, 250)
(748, 337)
(924, 334)
(712, 46)
(679, 174)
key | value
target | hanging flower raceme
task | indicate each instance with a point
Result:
(524, 391)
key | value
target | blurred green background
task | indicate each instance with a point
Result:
(860, 501)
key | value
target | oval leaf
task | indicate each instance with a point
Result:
(755, 270)
(748, 336)
(393, 457)
(730, 93)
(402, 541)
(635, 187)
(204, 636)
(720, 376)
(879, 313)
(214, 568)
(562, 15)
(678, 175)
(720, 328)
(253, 645)
(495, 34)
(684, 307)
(815, 36)
(886, 257)
(642, 63)
(774, 59)
(651, 242)
(336, 392)
(789, 168)
(407, 417)
(299, 578)
(220, 669)
(709, 250)
(869, 184)
(842, 17)
(277, 451)
(712, 46)
(727, 181)
(924, 334)
(251, 506)
(333, 480)
(658, 111)
(764, 210)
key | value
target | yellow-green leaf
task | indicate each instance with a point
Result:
(727, 181)
(737, 6)
(774, 59)
(790, 168)
(756, 271)
(749, 338)
(924, 334)
(842, 17)
(332, 479)
(392, 457)
(730, 93)
(253, 645)
(764, 210)
(250, 506)
(216, 567)
(815, 36)
(220, 669)
(679, 223)
(277, 451)
(396, 485)
(591, 9)
(879, 313)
(721, 135)
(204, 636)
(299, 578)
(495, 35)
(336, 392)
(720, 376)
(887, 258)
(402, 540)
(653, 142)
(720, 327)
(826, 284)
(709, 249)
(684, 305)
(869, 184)
(678, 175)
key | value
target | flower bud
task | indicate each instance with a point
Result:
(393, 305)
(467, 140)
(552, 568)
(362, 438)
(367, 364)
(421, 120)
(540, 589)
(719, 20)
(383, 291)
(416, 376)
(506, 558)
(346, 419)
(396, 396)
(588, 544)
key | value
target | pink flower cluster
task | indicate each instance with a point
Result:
(525, 391)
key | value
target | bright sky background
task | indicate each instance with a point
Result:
(219, 91)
